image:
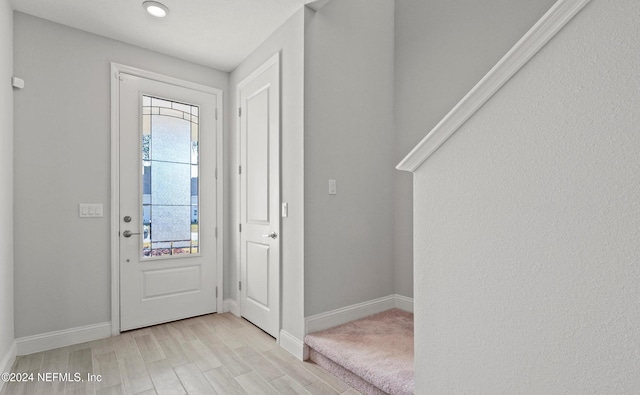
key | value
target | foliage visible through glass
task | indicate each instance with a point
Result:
(170, 177)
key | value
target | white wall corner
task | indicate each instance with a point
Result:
(6, 363)
(67, 337)
(231, 306)
(403, 303)
(316, 4)
(532, 42)
(293, 345)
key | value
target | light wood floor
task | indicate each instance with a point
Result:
(212, 354)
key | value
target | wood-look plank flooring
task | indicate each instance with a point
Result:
(211, 354)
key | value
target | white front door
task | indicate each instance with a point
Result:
(259, 286)
(167, 202)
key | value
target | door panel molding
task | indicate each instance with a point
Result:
(159, 283)
(115, 71)
(257, 253)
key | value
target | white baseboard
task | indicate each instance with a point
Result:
(67, 337)
(6, 363)
(346, 314)
(231, 306)
(293, 345)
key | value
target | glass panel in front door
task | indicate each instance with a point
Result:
(169, 178)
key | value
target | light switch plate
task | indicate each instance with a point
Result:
(90, 210)
(332, 187)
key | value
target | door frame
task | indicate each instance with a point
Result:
(273, 60)
(116, 69)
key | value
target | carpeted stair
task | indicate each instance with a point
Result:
(373, 354)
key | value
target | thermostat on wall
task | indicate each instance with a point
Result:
(17, 82)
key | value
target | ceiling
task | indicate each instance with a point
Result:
(215, 33)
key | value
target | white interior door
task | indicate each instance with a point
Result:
(167, 202)
(259, 285)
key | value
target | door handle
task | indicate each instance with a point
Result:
(273, 235)
(128, 233)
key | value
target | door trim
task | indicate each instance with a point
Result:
(117, 68)
(273, 60)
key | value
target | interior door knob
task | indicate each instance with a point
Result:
(273, 235)
(128, 233)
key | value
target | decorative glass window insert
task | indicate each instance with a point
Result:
(169, 177)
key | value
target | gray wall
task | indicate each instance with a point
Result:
(348, 132)
(62, 158)
(289, 40)
(6, 180)
(528, 226)
(442, 48)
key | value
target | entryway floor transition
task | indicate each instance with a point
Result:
(210, 354)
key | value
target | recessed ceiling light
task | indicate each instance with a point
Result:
(156, 9)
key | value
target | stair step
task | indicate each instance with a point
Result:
(373, 354)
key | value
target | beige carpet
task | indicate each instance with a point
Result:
(377, 349)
